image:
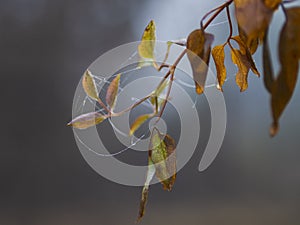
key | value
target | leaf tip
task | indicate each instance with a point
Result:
(274, 129)
(219, 87)
(199, 89)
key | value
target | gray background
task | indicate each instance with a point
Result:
(44, 48)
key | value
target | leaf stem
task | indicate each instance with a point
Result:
(132, 106)
(217, 11)
(284, 10)
(230, 23)
(103, 106)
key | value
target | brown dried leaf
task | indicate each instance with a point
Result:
(254, 17)
(219, 57)
(87, 120)
(112, 92)
(245, 51)
(267, 65)
(289, 55)
(199, 44)
(253, 43)
(273, 4)
(89, 85)
(243, 68)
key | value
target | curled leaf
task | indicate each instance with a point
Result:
(289, 55)
(138, 122)
(89, 85)
(87, 120)
(252, 44)
(112, 92)
(243, 69)
(199, 44)
(145, 191)
(245, 51)
(162, 154)
(218, 55)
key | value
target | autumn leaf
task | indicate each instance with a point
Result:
(162, 163)
(147, 45)
(145, 191)
(162, 153)
(289, 55)
(89, 85)
(243, 65)
(219, 57)
(138, 122)
(112, 92)
(199, 44)
(87, 120)
(272, 4)
(267, 65)
(252, 44)
(254, 17)
(245, 52)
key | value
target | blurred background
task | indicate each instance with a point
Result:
(45, 45)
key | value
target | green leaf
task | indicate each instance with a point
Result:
(87, 120)
(219, 57)
(89, 85)
(289, 55)
(163, 155)
(199, 44)
(138, 122)
(112, 92)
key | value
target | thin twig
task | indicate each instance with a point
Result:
(230, 23)
(218, 11)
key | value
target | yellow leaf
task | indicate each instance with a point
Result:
(219, 57)
(289, 55)
(112, 92)
(245, 52)
(253, 17)
(89, 85)
(138, 122)
(147, 45)
(87, 120)
(243, 69)
(199, 44)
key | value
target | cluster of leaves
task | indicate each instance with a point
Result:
(253, 18)
(161, 153)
